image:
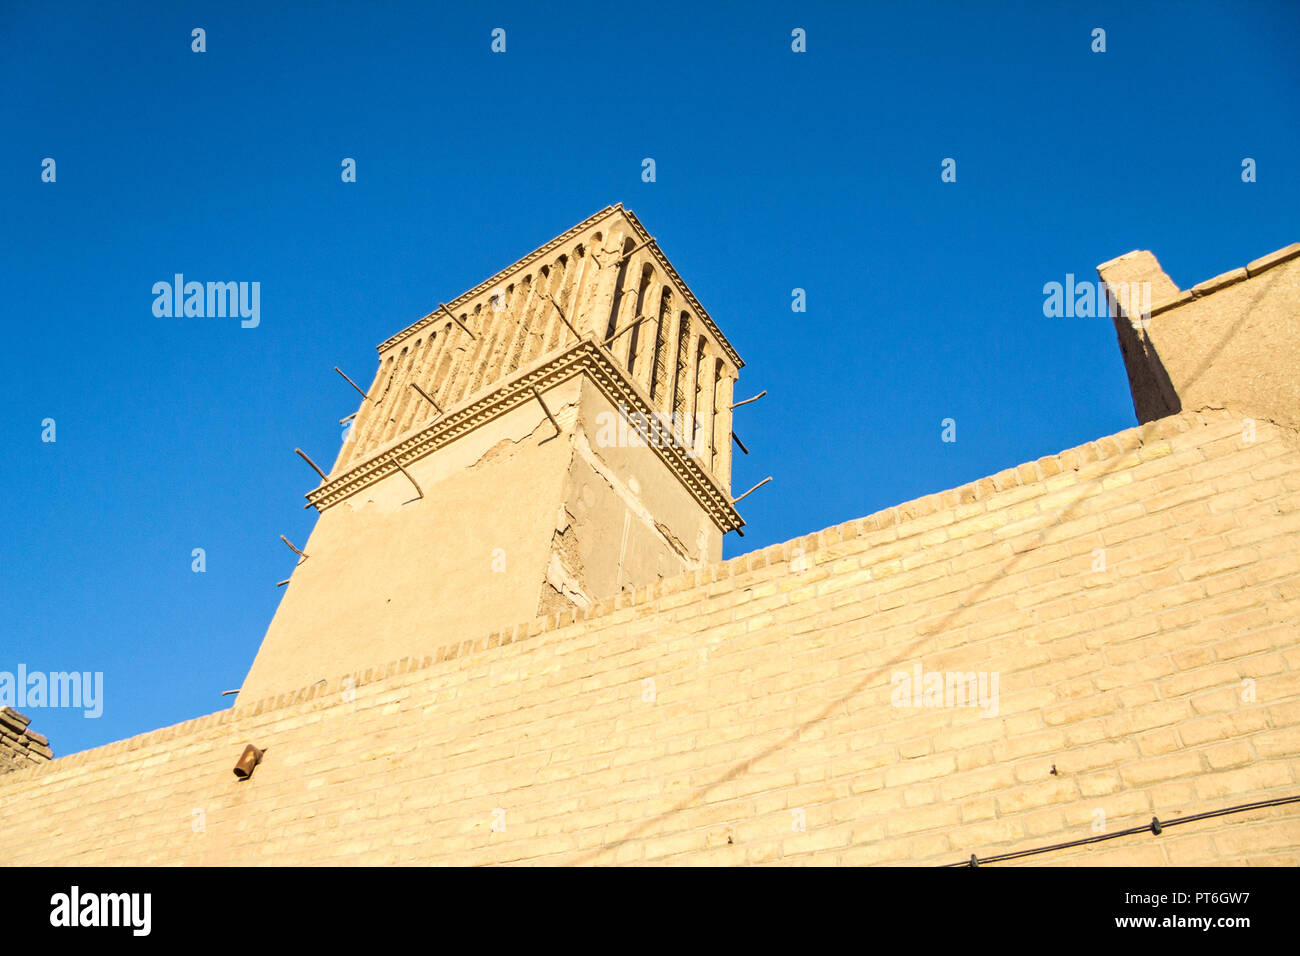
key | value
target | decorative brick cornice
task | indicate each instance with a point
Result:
(584, 357)
(543, 251)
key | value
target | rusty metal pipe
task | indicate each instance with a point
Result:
(249, 760)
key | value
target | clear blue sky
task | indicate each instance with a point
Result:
(775, 170)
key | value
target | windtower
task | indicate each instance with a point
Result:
(557, 434)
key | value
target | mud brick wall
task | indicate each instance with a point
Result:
(20, 746)
(1138, 599)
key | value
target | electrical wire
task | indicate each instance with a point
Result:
(1156, 826)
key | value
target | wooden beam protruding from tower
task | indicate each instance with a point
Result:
(752, 490)
(600, 265)
(418, 490)
(443, 306)
(292, 548)
(563, 318)
(352, 383)
(748, 400)
(627, 328)
(541, 401)
(425, 395)
(303, 455)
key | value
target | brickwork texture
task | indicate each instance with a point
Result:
(1137, 599)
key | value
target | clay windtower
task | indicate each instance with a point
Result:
(557, 434)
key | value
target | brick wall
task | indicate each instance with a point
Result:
(20, 746)
(743, 714)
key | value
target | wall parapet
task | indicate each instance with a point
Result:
(1230, 341)
(20, 746)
